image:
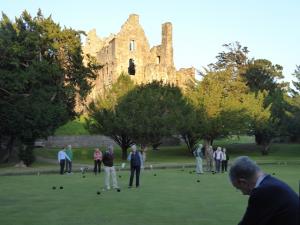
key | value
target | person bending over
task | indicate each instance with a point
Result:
(271, 201)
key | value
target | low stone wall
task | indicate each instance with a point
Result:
(77, 141)
(89, 141)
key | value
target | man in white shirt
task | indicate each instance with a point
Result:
(62, 156)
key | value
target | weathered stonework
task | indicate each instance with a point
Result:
(130, 44)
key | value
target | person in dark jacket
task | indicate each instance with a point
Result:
(108, 161)
(271, 201)
(225, 158)
(136, 162)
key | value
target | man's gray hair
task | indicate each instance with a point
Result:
(243, 167)
(133, 147)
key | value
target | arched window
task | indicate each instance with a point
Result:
(131, 67)
(132, 45)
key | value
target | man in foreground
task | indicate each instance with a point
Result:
(271, 201)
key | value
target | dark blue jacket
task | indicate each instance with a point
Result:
(272, 203)
(135, 159)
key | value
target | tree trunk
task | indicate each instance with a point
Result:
(189, 141)
(124, 153)
(207, 144)
(265, 149)
(155, 145)
(9, 149)
(124, 142)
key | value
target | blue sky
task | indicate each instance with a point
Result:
(269, 28)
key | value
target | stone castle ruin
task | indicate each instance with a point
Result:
(129, 51)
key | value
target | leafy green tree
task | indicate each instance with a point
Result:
(222, 97)
(293, 122)
(193, 127)
(227, 106)
(102, 117)
(41, 73)
(297, 82)
(261, 123)
(152, 111)
(235, 58)
(261, 75)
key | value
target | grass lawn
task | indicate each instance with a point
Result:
(172, 197)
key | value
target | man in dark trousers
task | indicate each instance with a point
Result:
(62, 157)
(136, 161)
(271, 201)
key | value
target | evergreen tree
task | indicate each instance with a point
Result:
(102, 117)
(41, 73)
(153, 111)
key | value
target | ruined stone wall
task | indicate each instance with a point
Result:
(185, 76)
(133, 34)
(167, 45)
(131, 42)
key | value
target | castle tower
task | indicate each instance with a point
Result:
(167, 45)
(129, 51)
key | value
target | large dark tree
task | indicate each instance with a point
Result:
(153, 111)
(261, 75)
(235, 58)
(102, 117)
(41, 74)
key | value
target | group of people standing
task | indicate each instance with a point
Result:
(107, 158)
(65, 157)
(135, 157)
(216, 160)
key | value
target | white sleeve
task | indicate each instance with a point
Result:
(67, 157)
(129, 157)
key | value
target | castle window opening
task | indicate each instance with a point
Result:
(132, 45)
(158, 60)
(131, 67)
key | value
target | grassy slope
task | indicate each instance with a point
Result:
(75, 127)
(172, 197)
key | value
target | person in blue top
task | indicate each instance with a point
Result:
(271, 201)
(62, 157)
(136, 162)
